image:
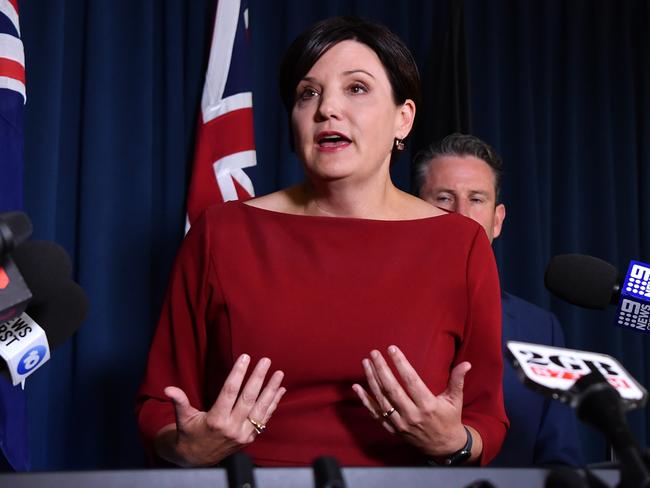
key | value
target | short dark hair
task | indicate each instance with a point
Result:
(458, 145)
(309, 46)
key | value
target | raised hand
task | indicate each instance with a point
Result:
(430, 422)
(237, 416)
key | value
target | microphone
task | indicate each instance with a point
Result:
(59, 306)
(590, 282)
(43, 264)
(553, 371)
(565, 477)
(239, 467)
(480, 484)
(14, 293)
(583, 280)
(327, 473)
(58, 301)
(60, 313)
(600, 405)
(600, 390)
(15, 227)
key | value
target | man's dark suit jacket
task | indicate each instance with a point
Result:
(542, 431)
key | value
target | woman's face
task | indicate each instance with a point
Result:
(345, 119)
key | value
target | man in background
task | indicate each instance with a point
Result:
(462, 174)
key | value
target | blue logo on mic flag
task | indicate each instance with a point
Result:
(637, 281)
(31, 359)
(633, 310)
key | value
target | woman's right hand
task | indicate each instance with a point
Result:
(205, 438)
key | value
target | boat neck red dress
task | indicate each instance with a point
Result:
(316, 295)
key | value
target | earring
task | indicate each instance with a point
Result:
(399, 144)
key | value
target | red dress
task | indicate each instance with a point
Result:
(316, 295)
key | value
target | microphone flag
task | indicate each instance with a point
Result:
(633, 311)
(553, 372)
(23, 346)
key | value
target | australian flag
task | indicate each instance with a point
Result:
(225, 142)
(12, 101)
(13, 419)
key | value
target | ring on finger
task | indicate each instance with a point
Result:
(259, 427)
(388, 413)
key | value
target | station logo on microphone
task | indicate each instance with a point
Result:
(633, 310)
(23, 346)
(31, 359)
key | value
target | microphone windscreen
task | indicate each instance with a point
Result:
(59, 305)
(581, 280)
(564, 477)
(480, 484)
(239, 467)
(15, 227)
(327, 473)
(43, 265)
(61, 313)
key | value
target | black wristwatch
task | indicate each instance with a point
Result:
(458, 457)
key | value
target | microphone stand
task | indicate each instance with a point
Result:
(239, 468)
(327, 473)
(599, 405)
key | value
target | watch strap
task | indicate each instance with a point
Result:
(458, 457)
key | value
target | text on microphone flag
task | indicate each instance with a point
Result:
(554, 370)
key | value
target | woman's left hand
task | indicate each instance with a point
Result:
(430, 422)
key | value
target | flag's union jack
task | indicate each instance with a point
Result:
(224, 143)
(12, 56)
(12, 101)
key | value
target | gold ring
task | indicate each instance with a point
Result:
(259, 428)
(388, 413)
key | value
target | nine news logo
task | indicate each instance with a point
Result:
(637, 282)
(634, 308)
(633, 315)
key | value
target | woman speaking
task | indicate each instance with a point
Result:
(372, 304)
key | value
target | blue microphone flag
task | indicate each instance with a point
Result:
(633, 310)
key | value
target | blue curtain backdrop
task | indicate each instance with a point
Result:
(560, 89)
(115, 86)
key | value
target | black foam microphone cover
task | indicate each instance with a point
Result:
(565, 477)
(15, 227)
(481, 484)
(43, 264)
(61, 314)
(58, 305)
(239, 467)
(582, 280)
(327, 473)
